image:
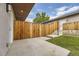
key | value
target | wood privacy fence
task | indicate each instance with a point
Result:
(71, 26)
(23, 30)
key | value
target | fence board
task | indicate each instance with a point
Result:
(71, 26)
(23, 30)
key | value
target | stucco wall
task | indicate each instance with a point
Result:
(4, 29)
(61, 22)
(74, 18)
(70, 19)
(71, 32)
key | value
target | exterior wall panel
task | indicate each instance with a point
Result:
(4, 29)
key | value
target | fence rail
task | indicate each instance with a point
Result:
(23, 30)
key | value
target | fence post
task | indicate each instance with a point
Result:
(40, 30)
(57, 27)
(30, 30)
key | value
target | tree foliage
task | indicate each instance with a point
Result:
(41, 17)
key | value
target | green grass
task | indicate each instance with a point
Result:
(68, 42)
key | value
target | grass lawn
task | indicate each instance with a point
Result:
(68, 42)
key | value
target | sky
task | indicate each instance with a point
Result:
(52, 9)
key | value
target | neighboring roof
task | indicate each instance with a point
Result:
(64, 16)
(48, 21)
(21, 10)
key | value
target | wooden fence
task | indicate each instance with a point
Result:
(23, 30)
(71, 26)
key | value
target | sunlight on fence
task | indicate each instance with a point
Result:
(23, 30)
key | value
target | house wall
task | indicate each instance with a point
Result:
(70, 19)
(61, 22)
(4, 29)
(74, 18)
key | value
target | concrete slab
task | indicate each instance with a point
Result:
(52, 36)
(41, 38)
(36, 47)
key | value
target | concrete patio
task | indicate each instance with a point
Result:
(36, 47)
